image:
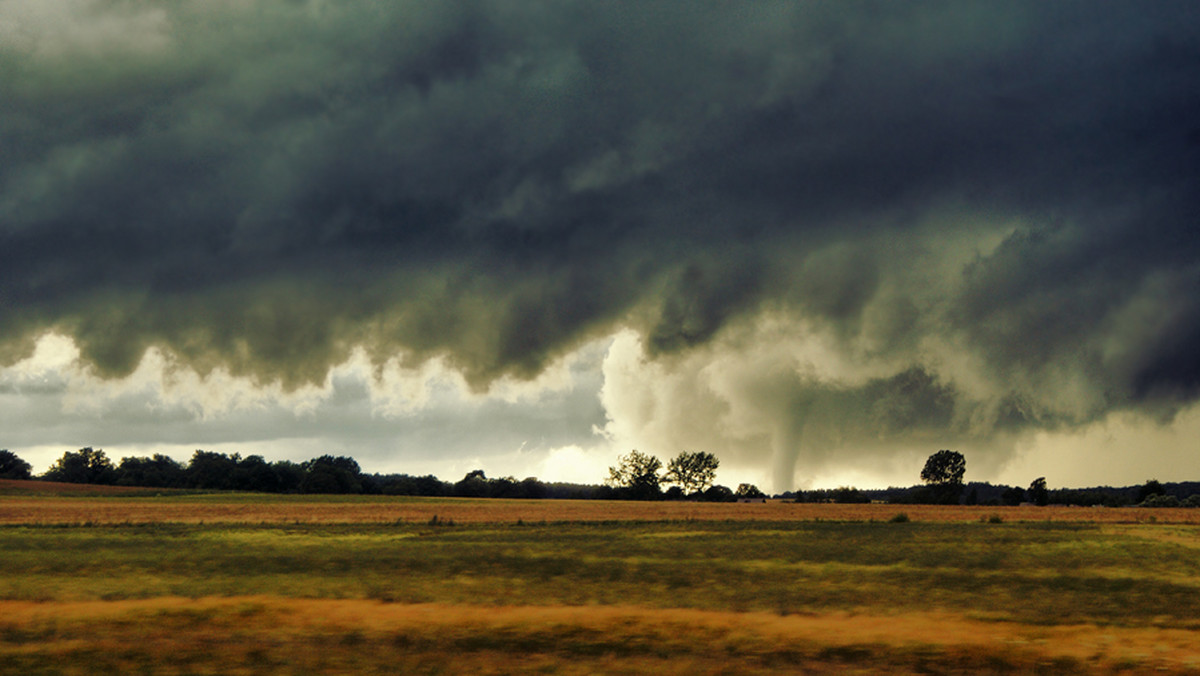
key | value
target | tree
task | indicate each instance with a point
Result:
(1013, 496)
(849, 495)
(159, 471)
(692, 472)
(13, 467)
(748, 491)
(254, 473)
(474, 485)
(636, 475)
(943, 473)
(328, 474)
(212, 470)
(718, 494)
(290, 474)
(1160, 500)
(1151, 487)
(533, 489)
(944, 467)
(87, 466)
(1038, 493)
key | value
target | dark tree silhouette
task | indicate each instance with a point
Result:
(718, 494)
(748, 491)
(636, 475)
(1013, 495)
(692, 472)
(1038, 494)
(159, 471)
(328, 474)
(943, 473)
(944, 467)
(87, 466)
(254, 473)
(13, 467)
(212, 470)
(474, 485)
(1151, 487)
(290, 475)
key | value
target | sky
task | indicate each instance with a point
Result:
(820, 240)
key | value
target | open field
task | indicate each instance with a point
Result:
(19, 504)
(272, 584)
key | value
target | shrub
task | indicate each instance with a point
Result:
(1160, 500)
(899, 518)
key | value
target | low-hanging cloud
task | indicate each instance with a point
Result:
(990, 208)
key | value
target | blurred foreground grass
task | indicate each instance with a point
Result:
(1033, 573)
(1038, 576)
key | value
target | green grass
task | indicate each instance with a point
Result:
(1039, 573)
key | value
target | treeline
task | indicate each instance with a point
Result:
(327, 474)
(943, 476)
(637, 476)
(1151, 494)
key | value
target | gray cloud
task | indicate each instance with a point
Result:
(266, 187)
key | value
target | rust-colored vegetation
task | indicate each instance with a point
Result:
(263, 634)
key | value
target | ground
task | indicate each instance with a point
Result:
(126, 581)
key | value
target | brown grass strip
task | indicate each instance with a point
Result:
(322, 634)
(233, 508)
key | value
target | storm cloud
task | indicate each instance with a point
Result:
(906, 224)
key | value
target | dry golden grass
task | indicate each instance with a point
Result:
(242, 508)
(265, 634)
(356, 568)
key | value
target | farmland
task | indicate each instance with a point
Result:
(226, 583)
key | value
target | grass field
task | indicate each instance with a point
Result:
(225, 583)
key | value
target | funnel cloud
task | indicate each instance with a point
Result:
(811, 238)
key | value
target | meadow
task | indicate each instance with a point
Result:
(226, 583)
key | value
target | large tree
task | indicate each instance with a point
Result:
(636, 475)
(329, 474)
(749, 491)
(1038, 492)
(87, 466)
(212, 470)
(943, 473)
(12, 466)
(693, 472)
(159, 471)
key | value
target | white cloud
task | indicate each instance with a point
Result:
(412, 419)
(574, 464)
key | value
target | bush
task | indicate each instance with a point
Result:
(1192, 500)
(899, 518)
(718, 493)
(1160, 500)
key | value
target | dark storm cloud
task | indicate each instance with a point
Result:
(265, 186)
